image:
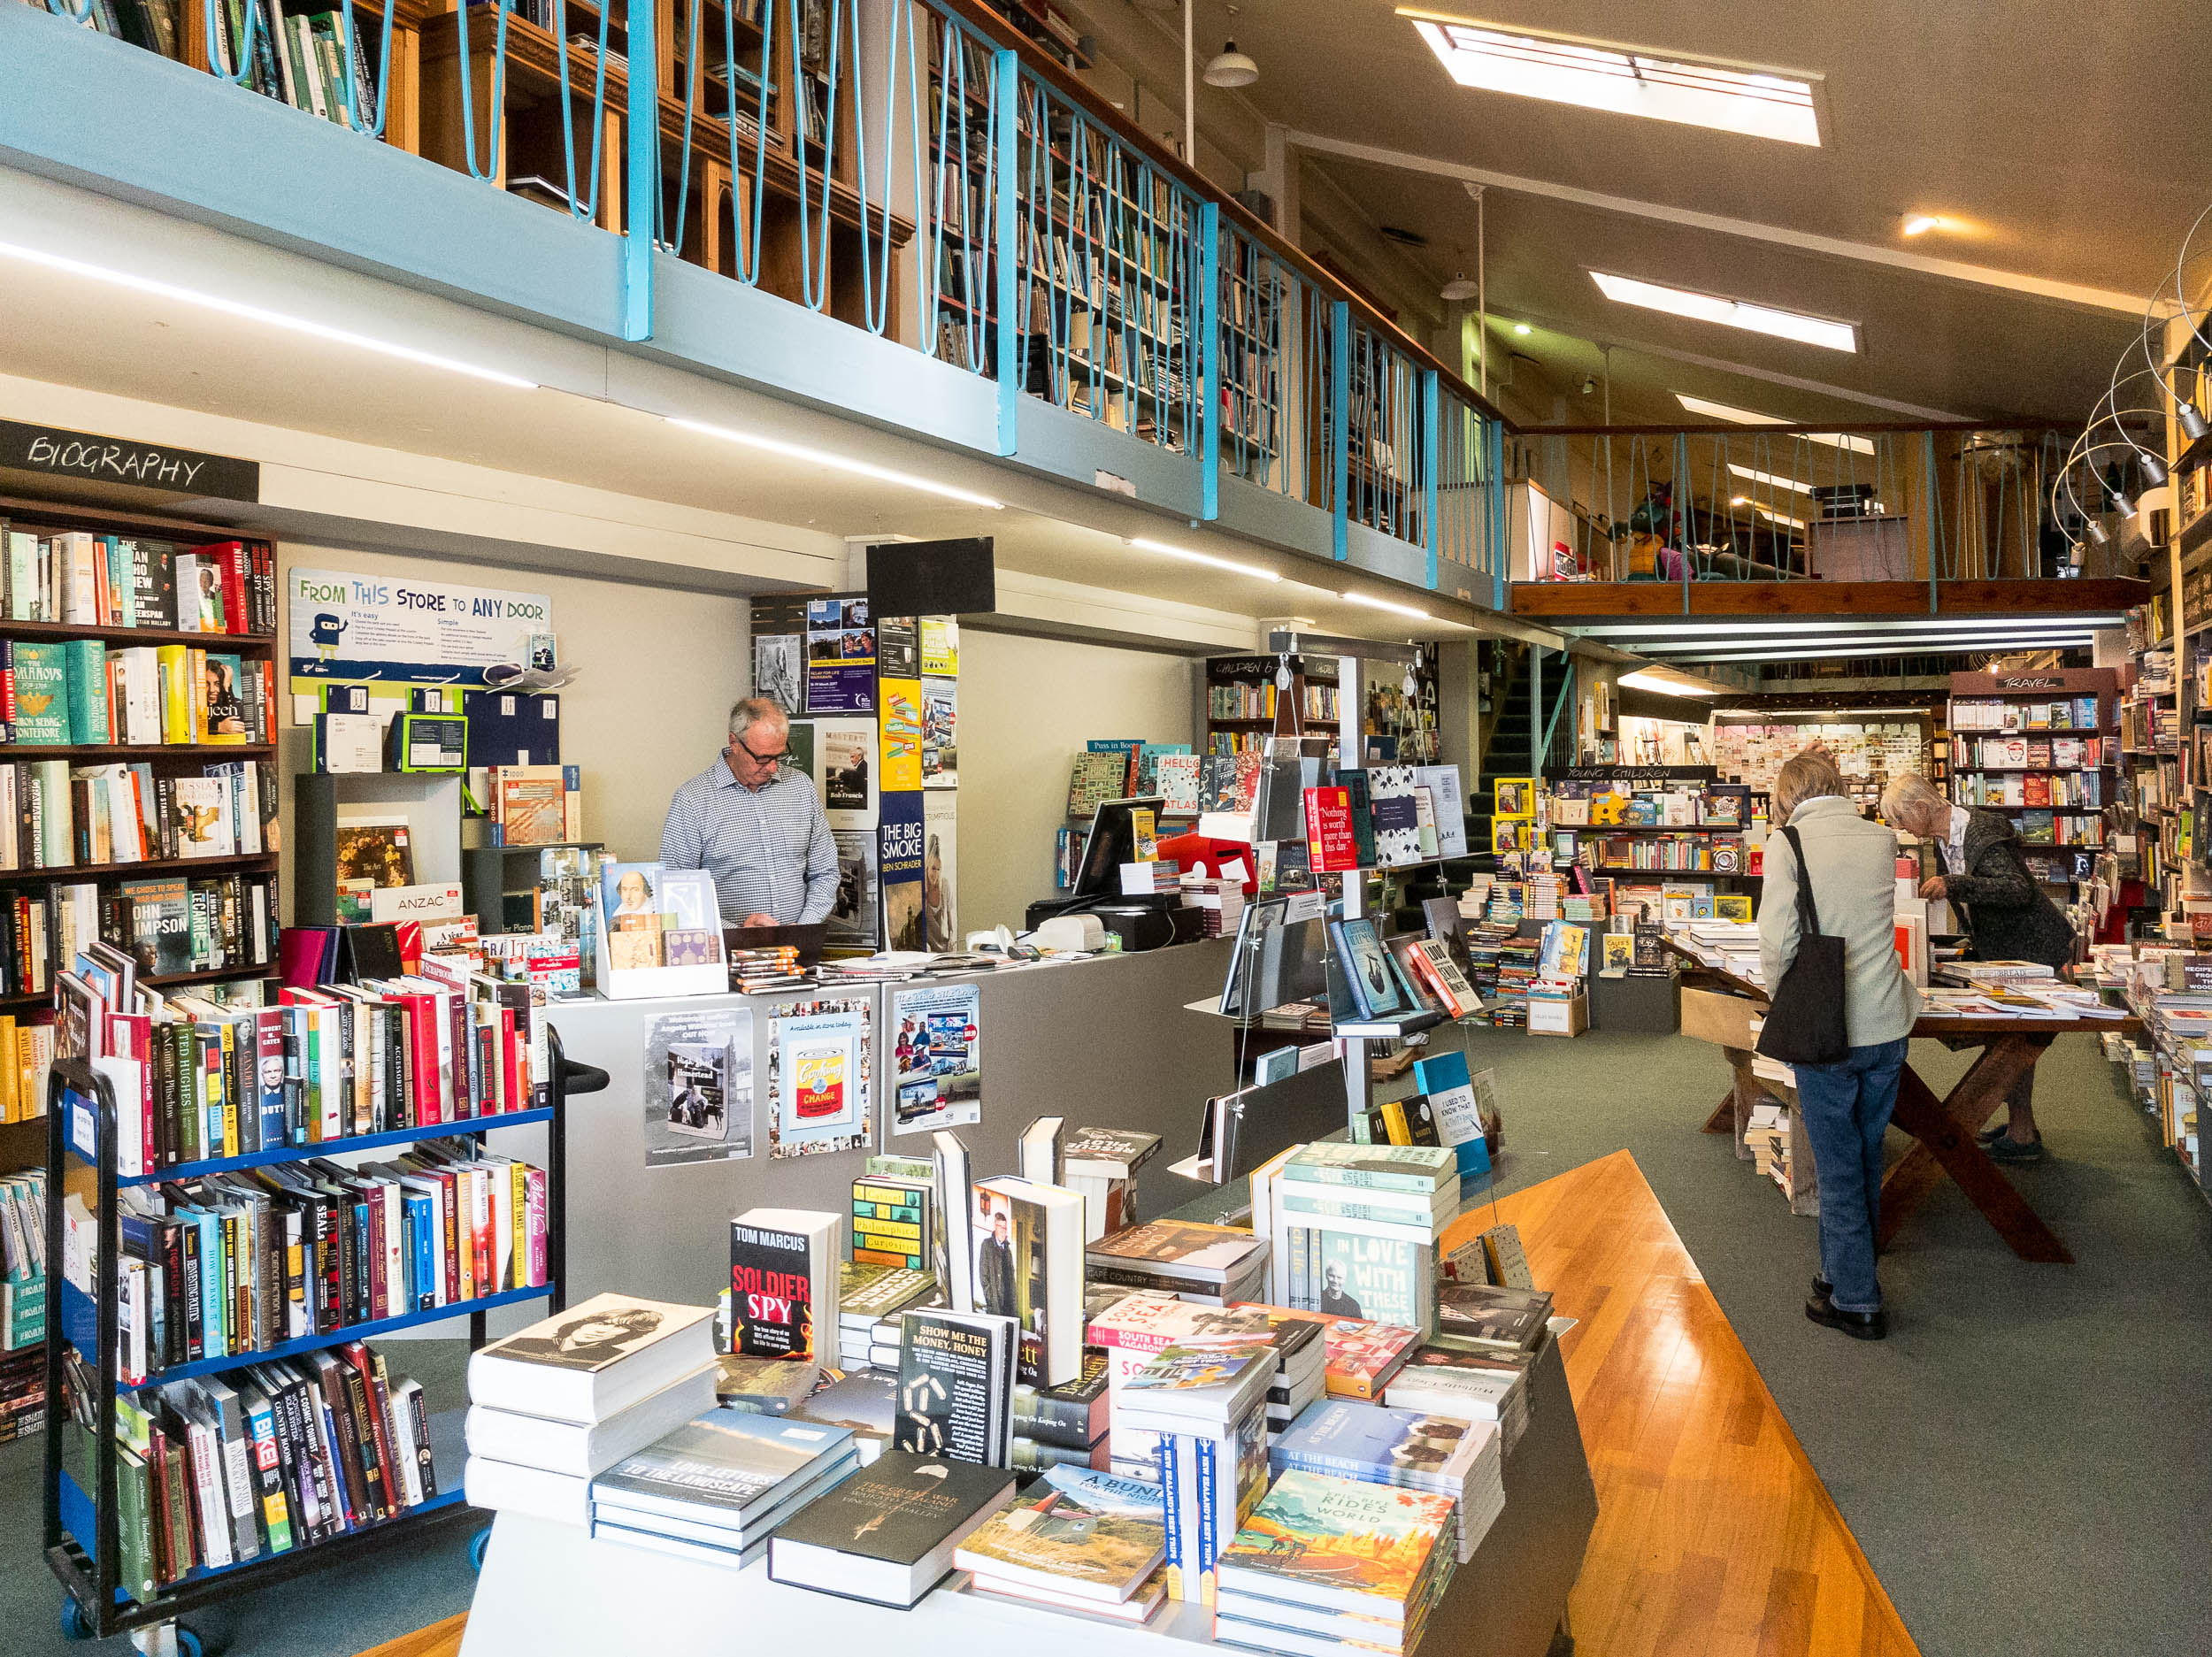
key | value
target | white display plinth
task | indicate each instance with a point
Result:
(549, 1590)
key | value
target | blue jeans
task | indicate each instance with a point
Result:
(1846, 1109)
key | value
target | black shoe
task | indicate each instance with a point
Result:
(1988, 1137)
(1858, 1325)
(2005, 1148)
(1823, 1290)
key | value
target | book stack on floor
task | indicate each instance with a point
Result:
(1766, 1135)
(1100, 1165)
(1077, 1540)
(1211, 1265)
(1208, 1407)
(1065, 1425)
(869, 1297)
(1445, 1454)
(214, 1470)
(1356, 1226)
(22, 1393)
(888, 1533)
(1326, 1564)
(716, 1487)
(571, 1395)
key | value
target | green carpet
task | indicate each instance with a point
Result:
(2027, 1460)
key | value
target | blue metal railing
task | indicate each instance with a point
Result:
(911, 168)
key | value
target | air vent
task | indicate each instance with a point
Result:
(1404, 238)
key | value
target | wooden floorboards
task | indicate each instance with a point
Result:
(1715, 1538)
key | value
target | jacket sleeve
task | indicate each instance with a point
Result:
(1994, 878)
(1777, 912)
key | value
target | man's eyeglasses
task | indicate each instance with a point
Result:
(781, 758)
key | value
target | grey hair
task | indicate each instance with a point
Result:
(1910, 794)
(753, 710)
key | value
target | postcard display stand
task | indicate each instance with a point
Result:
(83, 1528)
(641, 984)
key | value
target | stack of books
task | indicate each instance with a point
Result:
(764, 1386)
(22, 1392)
(1212, 1265)
(888, 1533)
(757, 971)
(1444, 1455)
(1359, 1356)
(1134, 1329)
(1468, 1385)
(1324, 1563)
(1355, 1229)
(714, 1489)
(1066, 1425)
(569, 1396)
(1766, 1135)
(869, 1294)
(1100, 1164)
(1076, 1540)
(892, 1219)
(1208, 1407)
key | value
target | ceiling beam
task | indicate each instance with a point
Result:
(2074, 293)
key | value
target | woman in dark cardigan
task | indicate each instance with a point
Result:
(2007, 917)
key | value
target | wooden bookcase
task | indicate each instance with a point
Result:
(2020, 698)
(1243, 707)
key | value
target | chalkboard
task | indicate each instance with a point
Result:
(65, 454)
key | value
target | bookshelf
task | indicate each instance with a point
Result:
(2046, 750)
(83, 1528)
(1244, 707)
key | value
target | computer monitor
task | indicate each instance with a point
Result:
(1111, 842)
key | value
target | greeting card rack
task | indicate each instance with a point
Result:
(82, 1529)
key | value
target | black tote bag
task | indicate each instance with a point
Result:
(1805, 1018)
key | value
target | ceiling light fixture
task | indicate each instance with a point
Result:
(1668, 681)
(838, 463)
(1622, 79)
(1713, 411)
(1231, 68)
(1921, 224)
(1462, 287)
(1771, 480)
(1384, 603)
(256, 313)
(1523, 329)
(1206, 558)
(1734, 313)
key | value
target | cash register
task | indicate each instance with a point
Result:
(1148, 920)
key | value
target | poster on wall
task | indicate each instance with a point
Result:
(780, 672)
(801, 747)
(941, 648)
(841, 656)
(901, 853)
(819, 1054)
(852, 916)
(699, 1087)
(940, 816)
(937, 1057)
(845, 772)
(898, 650)
(941, 716)
(408, 631)
(900, 739)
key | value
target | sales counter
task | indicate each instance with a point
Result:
(1103, 1042)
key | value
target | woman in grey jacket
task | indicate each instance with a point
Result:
(1852, 866)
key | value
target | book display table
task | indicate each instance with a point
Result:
(1943, 1127)
(549, 1590)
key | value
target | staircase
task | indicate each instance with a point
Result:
(1504, 754)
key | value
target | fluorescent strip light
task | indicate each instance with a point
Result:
(2002, 623)
(1713, 411)
(1767, 512)
(1595, 75)
(859, 468)
(1208, 559)
(1788, 655)
(1384, 603)
(1735, 314)
(1668, 682)
(1894, 646)
(256, 313)
(1774, 481)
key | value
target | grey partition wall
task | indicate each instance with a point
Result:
(1104, 1042)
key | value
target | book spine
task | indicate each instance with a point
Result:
(419, 1417)
(1164, 1453)
(1208, 1519)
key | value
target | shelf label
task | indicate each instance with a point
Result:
(66, 454)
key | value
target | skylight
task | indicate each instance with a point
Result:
(1772, 479)
(1735, 314)
(1596, 75)
(1713, 411)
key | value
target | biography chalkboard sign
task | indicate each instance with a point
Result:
(64, 453)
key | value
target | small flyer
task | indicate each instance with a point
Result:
(699, 1087)
(937, 1055)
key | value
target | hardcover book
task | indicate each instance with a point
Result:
(585, 1363)
(1482, 1315)
(1330, 844)
(956, 1385)
(783, 1278)
(1339, 1546)
(1078, 1531)
(888, 1533)
(1396, 814)
(1362, 1355)
(721, 1467)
